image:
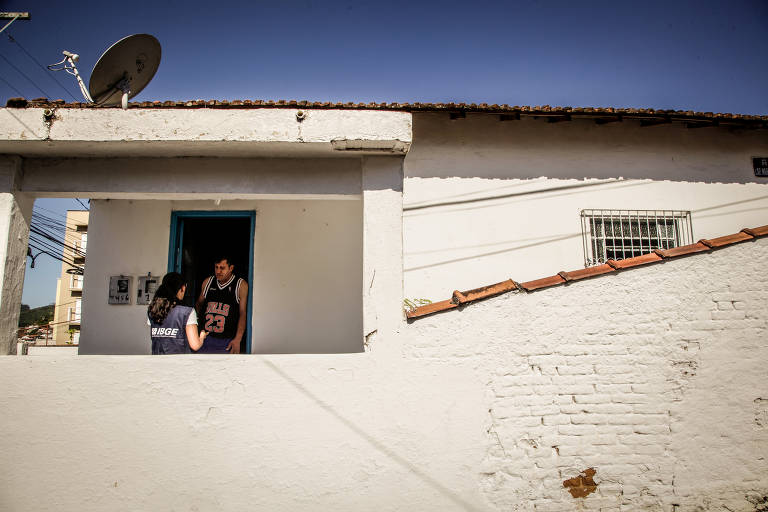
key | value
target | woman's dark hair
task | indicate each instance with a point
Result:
(165, 297)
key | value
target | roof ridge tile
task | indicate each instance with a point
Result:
(544, 282)
(611, 266)
(756, 121)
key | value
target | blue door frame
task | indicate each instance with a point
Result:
(177, 241)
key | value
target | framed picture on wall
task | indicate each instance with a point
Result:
(145, 289)
(120, 290)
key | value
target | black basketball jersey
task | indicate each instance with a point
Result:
(222, 307)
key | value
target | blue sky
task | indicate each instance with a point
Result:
(700, 55)
(689, 55)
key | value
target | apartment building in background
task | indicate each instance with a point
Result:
(69, 286)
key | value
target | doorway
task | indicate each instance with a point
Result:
(198, 237)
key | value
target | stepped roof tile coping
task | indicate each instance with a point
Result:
(649, 116)
(460, 299)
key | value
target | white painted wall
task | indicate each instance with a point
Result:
(542, 175)
(307, 261)
(308, 277)
(661, 390)
(52, 350)
(193, 178)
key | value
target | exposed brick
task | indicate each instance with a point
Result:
(611, 408)
(727, 296)
(560, 419)
(611, 370)
(577, 430)
(643, 439)
(545, 410)
(592, 399)
(729, 315)
(575, 370)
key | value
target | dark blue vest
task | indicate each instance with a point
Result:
(170, 337)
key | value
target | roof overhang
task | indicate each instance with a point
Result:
(203, 132)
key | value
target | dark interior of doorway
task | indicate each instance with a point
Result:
(204, 240)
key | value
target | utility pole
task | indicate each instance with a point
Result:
(13, 16)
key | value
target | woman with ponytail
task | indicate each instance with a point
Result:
(173, 327)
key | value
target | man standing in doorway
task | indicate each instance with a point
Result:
(222, 306)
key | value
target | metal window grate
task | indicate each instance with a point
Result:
(621, 234)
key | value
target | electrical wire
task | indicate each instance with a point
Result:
(49, 248)
(65, 225)
(62, 222)
(62, 225)
(49, 234)
(12, 87)
(13, 40)
(53, 244)
(57, 214)
(25, 76)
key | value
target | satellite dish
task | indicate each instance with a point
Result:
(121, 73)
(125, 69)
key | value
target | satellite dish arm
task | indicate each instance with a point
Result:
(68, 64)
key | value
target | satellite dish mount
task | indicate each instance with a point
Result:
(120, 74)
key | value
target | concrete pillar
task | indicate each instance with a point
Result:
(382, 180)
(15, 216)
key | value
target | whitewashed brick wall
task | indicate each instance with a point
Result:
(656, 377)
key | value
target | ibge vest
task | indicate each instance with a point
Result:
(170, 337)
(222, 307)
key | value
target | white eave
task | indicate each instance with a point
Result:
(89, 132)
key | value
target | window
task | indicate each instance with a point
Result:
(79, 246)
(75, 282)
(73, 314)
(620, 234)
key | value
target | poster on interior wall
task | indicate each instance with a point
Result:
(120, 289)
(145, 289)
(760, 165)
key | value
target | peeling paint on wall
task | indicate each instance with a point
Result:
(760, 502)
(761, 412)
(582, 485)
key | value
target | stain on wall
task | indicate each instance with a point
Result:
(761, 412)
(582, 485)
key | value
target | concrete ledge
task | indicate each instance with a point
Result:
(73, 132)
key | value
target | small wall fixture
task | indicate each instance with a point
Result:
(301, 115)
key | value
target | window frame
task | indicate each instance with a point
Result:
(639, 232)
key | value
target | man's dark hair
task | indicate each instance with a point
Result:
(224, 257)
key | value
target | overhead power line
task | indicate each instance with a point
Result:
(51, 233)
(47, 72)
(62, 225)
(25, 76)
(11, 86)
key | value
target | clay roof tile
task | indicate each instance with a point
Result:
(460, 298)
(544, 282)
(722, 241)
(430, 309)
(689, 116)
(684, 250)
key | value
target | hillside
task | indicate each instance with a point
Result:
(36, 316)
